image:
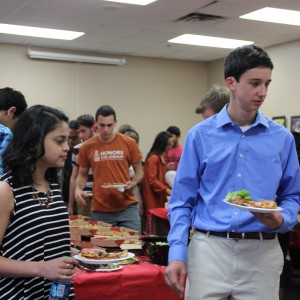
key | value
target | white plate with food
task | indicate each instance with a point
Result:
(92, 261)
(119, 186)
(113, 185)
(252, 208)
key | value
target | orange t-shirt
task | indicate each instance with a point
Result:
(110, 164)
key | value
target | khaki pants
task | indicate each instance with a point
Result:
(245, 269)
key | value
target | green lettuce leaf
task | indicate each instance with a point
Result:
(241, 194)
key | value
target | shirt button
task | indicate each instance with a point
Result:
(243, 135)
(241, 155)
(239, 175)
(235, 213)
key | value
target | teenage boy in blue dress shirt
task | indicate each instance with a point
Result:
(233, 252)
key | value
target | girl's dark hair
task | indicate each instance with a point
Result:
(160, 143)
(27, 144)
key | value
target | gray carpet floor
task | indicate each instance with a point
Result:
(292, 291)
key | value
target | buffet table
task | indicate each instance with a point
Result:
(157, 221)
(136, 281)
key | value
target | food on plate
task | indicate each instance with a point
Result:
(270, 204)
(243, 198)
(90, 226)
(241, 194)
(108, 267)
(128, 261)
(76, 223)
(134, 242)
(162, 244)
(102, 254)
(131, 244)
(113, 233)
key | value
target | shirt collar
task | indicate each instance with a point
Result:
(5, 128)
(223, 119)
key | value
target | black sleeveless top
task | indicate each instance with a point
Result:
(38, 231)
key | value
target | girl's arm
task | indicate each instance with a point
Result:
(56, 269)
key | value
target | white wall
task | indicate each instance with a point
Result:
(282, 99)
(150, 94)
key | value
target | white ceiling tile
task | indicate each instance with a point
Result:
(145, 30)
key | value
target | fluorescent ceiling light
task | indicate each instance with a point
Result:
(40, 32)
(136, 2)
(274, 15)
(208, 41)
(76, 58)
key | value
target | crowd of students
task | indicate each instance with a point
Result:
(103, 172)
(43, 150)
(119, 157)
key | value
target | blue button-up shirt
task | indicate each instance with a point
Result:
(219, 157)
(5, 137)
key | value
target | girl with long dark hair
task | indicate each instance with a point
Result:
(154, 188)
(34, 228)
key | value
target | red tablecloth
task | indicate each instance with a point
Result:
(143, 281)
(159, 212)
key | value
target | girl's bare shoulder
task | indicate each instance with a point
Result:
(6, 194)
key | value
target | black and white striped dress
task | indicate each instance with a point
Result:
(35, 233)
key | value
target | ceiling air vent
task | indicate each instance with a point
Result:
(198, 17)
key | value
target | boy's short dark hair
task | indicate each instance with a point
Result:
(85, 120)
(174, 130)
(245, 58)
(73, 125)
(9, 98)
(105, 111)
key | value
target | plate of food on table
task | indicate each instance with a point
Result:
(101, 256)
(242, 199)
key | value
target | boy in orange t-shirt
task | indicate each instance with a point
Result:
(110, 154)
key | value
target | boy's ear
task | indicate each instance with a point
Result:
(230, 83)
(11, 112)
